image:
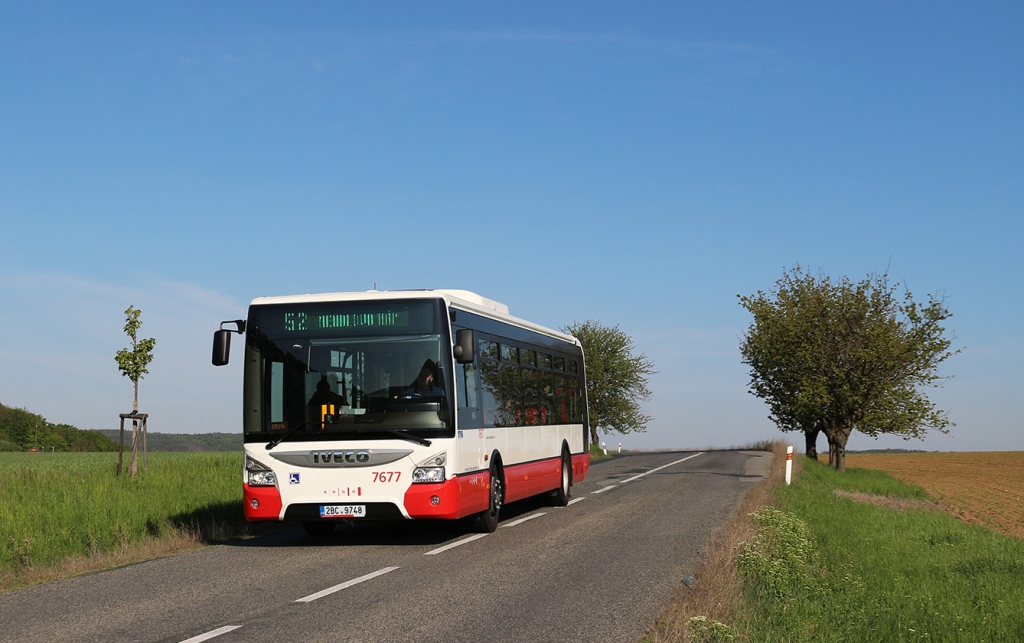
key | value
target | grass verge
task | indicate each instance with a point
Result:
(854, 556)
(702, 612)
(67, 513)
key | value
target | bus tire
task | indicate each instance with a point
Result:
(487, 521)
(560, 496)
(318, 529)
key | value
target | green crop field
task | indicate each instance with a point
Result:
(58, 505)
(860, 556)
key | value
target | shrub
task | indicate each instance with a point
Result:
(705, 630)
(781, 556)
(7, 445)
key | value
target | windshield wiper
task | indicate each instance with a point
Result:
(402, 435)
(290, 433)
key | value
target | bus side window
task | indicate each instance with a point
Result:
(561, 400)
(472, 387)
(468, 395)
(546, 381)
(576, 400)
(487, 369)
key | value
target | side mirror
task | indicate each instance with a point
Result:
(463, 349)
(222, 341)
(221, 347)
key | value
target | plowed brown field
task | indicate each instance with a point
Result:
(986, 488)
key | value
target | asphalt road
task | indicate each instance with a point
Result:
(601, 569)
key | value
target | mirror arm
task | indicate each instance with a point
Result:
(239, 324)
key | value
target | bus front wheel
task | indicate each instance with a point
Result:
(487, 521)
(560, 496)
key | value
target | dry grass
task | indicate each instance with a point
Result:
(717, 592)
(899, 504)
(985, 488)
(127, 553)
(167, 544)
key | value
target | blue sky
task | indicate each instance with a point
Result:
(576, 160)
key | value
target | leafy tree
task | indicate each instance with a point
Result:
(133, 364)
(19, 426)
(837, 356)
(616, 378)
(92, 441)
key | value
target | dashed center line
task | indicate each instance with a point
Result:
(637, 477)
(212, 633)
(341, 586)
(575, 500)
(522, 520)
(470, 539)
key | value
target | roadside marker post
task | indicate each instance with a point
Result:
(789, 465)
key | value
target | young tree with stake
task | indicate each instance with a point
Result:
(133, 363)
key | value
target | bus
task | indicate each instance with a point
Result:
(390, 405)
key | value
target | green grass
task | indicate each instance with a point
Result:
(828, 568)
(53, 506)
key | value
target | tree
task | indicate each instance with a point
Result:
(837, 356)
(616, 378)
(133, 364)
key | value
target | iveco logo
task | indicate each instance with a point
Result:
(341, 457)
(353, 458)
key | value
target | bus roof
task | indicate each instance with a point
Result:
(460, 299)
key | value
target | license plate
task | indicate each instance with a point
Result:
(342, 511)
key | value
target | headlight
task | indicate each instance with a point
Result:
(427, 474)
(259, 474)
(262, 479)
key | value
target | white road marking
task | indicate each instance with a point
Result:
(689, 457)
(611, 486)
(212, 633)
(575, 500)
(522, 520)
(341, 586)
(455, 544)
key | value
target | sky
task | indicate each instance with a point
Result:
(636, 165)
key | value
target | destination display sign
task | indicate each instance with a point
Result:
(301, 320)
(343, 319)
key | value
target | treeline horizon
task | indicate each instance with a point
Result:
(22, 430)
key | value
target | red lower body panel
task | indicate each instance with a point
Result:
(580, 466)
(458, 497)
(525, 480)
(267, 501)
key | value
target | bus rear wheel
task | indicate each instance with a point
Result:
(487, 521)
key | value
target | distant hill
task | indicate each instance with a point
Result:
(21, 430)
(182, 441)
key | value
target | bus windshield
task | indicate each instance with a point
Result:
(348, 370)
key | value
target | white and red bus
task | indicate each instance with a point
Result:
(403, 405)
